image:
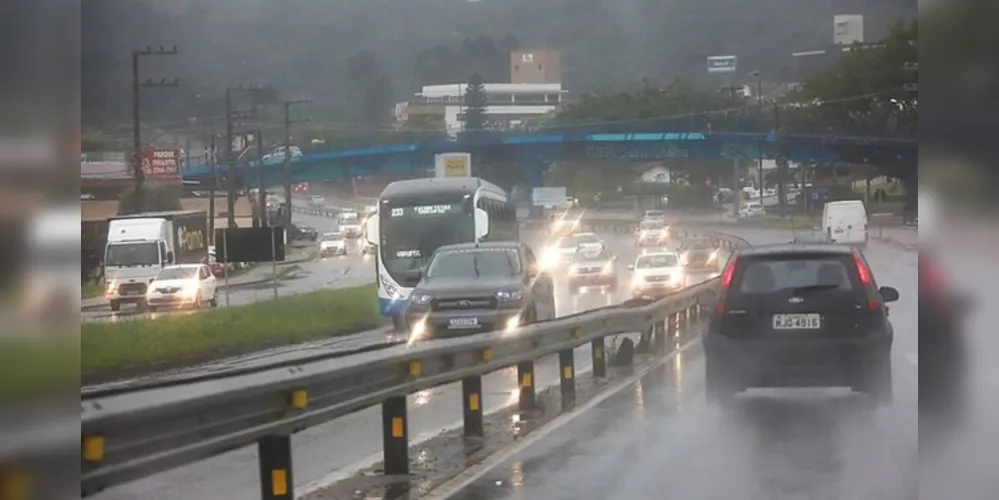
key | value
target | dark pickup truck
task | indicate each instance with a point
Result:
(478, 287)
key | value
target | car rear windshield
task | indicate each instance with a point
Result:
(792, 273)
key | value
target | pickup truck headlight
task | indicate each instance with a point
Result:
(420, 298)
(510, 296)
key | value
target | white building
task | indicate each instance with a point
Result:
(509, 105)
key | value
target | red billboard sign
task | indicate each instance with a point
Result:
(161, 163)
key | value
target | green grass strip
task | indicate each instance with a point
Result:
(106, 347)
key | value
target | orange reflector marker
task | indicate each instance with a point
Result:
(567, 373)
(414, 369)
(93, 448)
(473, 402)
(487, 355)
(598, 353)
(279, 482)
(527, 380)
(398, 427)
(14, 485)
(299, 399)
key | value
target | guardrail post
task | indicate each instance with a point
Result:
(274, 456)
(659, 338)
(525, 378)
(599, 352)
(395, 440)
(471, 391)
(567, 375)
(673, 326)
(645, 341)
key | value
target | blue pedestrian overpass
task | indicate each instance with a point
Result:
(894, 152)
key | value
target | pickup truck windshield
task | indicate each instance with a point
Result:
(474, 263)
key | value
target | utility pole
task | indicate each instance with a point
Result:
(138, 175)
(759, 103)
(261, 219)
(215, 182)
(287, 156)
(230, 162)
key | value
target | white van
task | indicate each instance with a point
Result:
(846, 222)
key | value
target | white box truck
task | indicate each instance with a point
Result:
(140, 245)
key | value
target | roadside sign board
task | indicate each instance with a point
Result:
(548, 196)
(722, 64)
(453, 165)
(161, 163)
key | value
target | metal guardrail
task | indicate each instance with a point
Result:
(130, 435)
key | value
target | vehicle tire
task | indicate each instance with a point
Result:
(399, 324)
(142, 306)
(115, 305)
(719, 387)
(531, 316)
(877, 383)
(215, 299)
(152, 309)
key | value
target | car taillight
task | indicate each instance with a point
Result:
(864, 274)
(726, 282)
(931, 277)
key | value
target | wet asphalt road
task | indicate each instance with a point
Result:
(659, 438)
(339, 448)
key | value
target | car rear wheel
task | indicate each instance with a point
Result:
(719, 386)
(877, 384)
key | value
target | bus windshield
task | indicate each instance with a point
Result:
(411, 234)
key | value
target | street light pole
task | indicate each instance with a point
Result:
(230, 115)
(286, 167)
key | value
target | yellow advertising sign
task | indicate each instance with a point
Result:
(457, 166)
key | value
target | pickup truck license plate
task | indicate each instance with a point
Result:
(797, 322)
(464, 323)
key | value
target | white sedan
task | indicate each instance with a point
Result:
(332, 244)
(182, 285)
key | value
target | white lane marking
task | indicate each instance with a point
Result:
(472, 474)
(912, 358)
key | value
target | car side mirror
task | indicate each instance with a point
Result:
(888, 293)
(631, 267)
(414, 274)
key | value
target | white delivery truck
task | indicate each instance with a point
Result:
(140, 245)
